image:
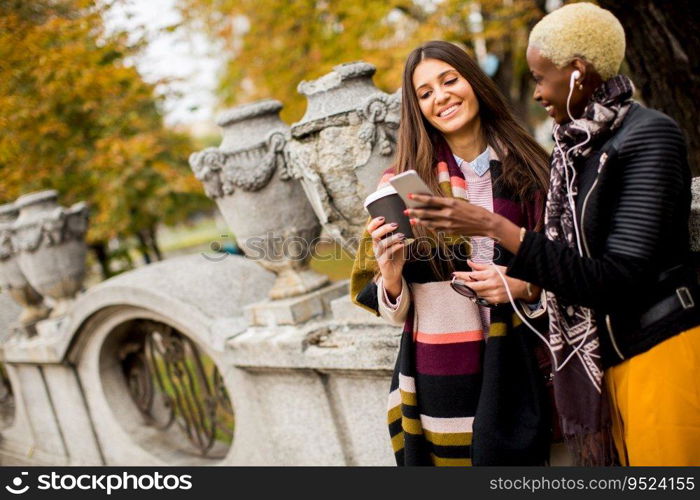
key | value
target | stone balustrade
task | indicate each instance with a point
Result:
(236, 361)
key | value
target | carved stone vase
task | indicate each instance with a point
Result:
(12, 279)
(248, 178)
(50, 241)
(341, 146)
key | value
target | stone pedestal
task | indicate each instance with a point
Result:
(343, 310)
(53, 327)
(19, 330)
(296, 310)
(45, 342)
(320, 382)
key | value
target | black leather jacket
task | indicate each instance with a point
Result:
(632, 206)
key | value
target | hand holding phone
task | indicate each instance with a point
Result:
(410, 182)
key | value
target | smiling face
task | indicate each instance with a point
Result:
(552, 87)
(445, 97)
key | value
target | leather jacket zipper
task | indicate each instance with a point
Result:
(612, 337)
(601, 164)
(603, 159)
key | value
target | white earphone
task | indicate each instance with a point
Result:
(576, 74)
(570, 196)
(570, 181)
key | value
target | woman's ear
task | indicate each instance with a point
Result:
(580, 66)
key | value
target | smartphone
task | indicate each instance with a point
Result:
(410, 182)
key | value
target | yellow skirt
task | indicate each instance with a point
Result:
(655, 406)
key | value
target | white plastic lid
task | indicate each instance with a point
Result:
(380, 193)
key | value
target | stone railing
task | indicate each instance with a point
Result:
(199, 360)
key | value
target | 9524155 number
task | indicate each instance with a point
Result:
(652, 483)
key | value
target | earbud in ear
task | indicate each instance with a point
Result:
(576, 74)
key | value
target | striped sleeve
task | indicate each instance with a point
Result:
(653, 182)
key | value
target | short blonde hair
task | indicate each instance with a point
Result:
(581, 30)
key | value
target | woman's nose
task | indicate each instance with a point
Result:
(441, 96)
(536, 95)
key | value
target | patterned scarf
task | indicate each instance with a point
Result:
(452, 185)
(578, 387)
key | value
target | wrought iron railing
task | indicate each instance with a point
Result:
(172, 382)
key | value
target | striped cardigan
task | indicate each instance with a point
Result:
(437, 389)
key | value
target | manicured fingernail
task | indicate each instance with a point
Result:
(394, 224)
(405, 212)
(401, 236)
(413, 221)
(380, 218)
(410, 196)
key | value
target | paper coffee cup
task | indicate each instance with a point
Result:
(387, 203)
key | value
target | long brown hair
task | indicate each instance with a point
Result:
(525, 163)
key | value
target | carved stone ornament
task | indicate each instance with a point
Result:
(12, 279)
(50, 241)
(222, 172)
(248, 178)
(8, 215)
(60, 226)
(341, 146)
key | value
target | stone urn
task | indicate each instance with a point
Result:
(341, 146)
(248, 178)
(12, 279)
(50, 241)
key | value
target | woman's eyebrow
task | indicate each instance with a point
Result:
(438, 77)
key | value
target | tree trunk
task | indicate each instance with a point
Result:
(153, 242)
(143, 247)
(100, 250)
(663, 53)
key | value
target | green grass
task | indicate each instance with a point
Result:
(184, 236)
(329, 259)
(332, 261)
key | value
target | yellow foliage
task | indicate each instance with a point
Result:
(272, 45)
(75, 117)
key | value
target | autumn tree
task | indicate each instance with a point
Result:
(272, 45)
(76, 117)
(663, 47)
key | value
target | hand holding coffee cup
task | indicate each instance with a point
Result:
(391, 231)
(390, 251)
(387, 203)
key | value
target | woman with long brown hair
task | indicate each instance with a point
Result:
(456, 399)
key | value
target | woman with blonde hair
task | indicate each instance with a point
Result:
(456, 399)
(614, 258)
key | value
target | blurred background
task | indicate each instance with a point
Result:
(104, 101)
